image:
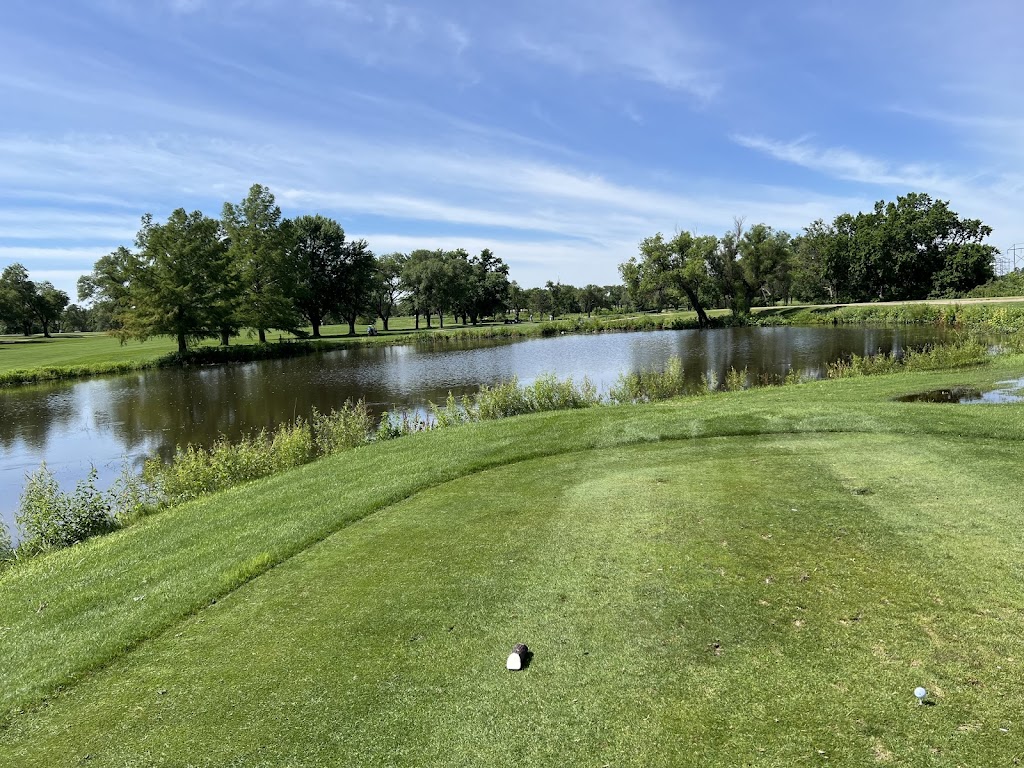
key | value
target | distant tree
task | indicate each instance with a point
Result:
(388, 290)
(725, 271)
(489, 287)
(47, 305)
(591, 297)
(259, 281)
(765, 264)
(671, 270)
(617, 296)
(108, 287)
(316, 258)
(818, 275)
(906, 250)
(76, 318)
(180, 274)
(357, 282)
(538, 300)
(17, 299)
(516, 298)
(562, 298)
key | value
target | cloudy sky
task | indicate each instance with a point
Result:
(559, 133)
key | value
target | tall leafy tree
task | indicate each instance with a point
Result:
(765, 265)
(17, 299)
(487, 291)
(178, 279)
(317, 255)
(672, 270)
(108, 287)
(591, 297)
(48, 304)
(357, 283)
(388, 290)
(258, 249)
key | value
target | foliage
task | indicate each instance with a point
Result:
(341, 429)
(650, 386)
(400, 424)
(6, 549)
(48, 518)
(670, 272)
(546, 393)
(960, 354)
(1010, 284)
(180, 281)
(258, 279)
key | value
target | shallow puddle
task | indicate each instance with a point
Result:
(1006, 392)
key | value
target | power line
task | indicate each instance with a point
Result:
(1010, 259)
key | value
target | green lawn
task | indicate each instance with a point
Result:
(753, 578)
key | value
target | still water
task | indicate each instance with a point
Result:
(105, 422)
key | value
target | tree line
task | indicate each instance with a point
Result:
(914, 248)
(195, 277)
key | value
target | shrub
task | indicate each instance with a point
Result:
(291, 446)
(341, 429)
(51, 519)
(6, 550)
(649, 386)
(395, 425)
(454, 412)
(736, 380)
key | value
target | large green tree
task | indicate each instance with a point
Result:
(357, 283)
(388, 290)
(672, 270)
(259, 265)
(17, 299)
(317, 254)
(48, 304)
(178, 280)
(108, 287)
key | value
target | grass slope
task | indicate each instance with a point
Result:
(752, 578)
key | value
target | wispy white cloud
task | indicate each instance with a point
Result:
(574, 221)
(644, 41)
(993, 196)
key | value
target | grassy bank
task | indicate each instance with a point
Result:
(995, 316)
(755, 577)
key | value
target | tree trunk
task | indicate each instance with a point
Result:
(182, 346)
(351, 326)
(702, 316)
(315, 322)
(263, 335)
(225, 337)
(440, 318)
(385, 321)
(417, 321)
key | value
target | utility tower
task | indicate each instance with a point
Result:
(1010, 259)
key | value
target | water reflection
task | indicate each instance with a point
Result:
(107, 421)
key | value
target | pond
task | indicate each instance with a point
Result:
(105, 422)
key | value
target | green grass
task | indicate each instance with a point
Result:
(756, 577)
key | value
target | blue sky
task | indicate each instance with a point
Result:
(559, 134)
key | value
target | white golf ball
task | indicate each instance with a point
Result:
(920, 692)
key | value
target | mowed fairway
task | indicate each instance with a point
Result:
(744, 599)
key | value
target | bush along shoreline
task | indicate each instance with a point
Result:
(51, 519)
